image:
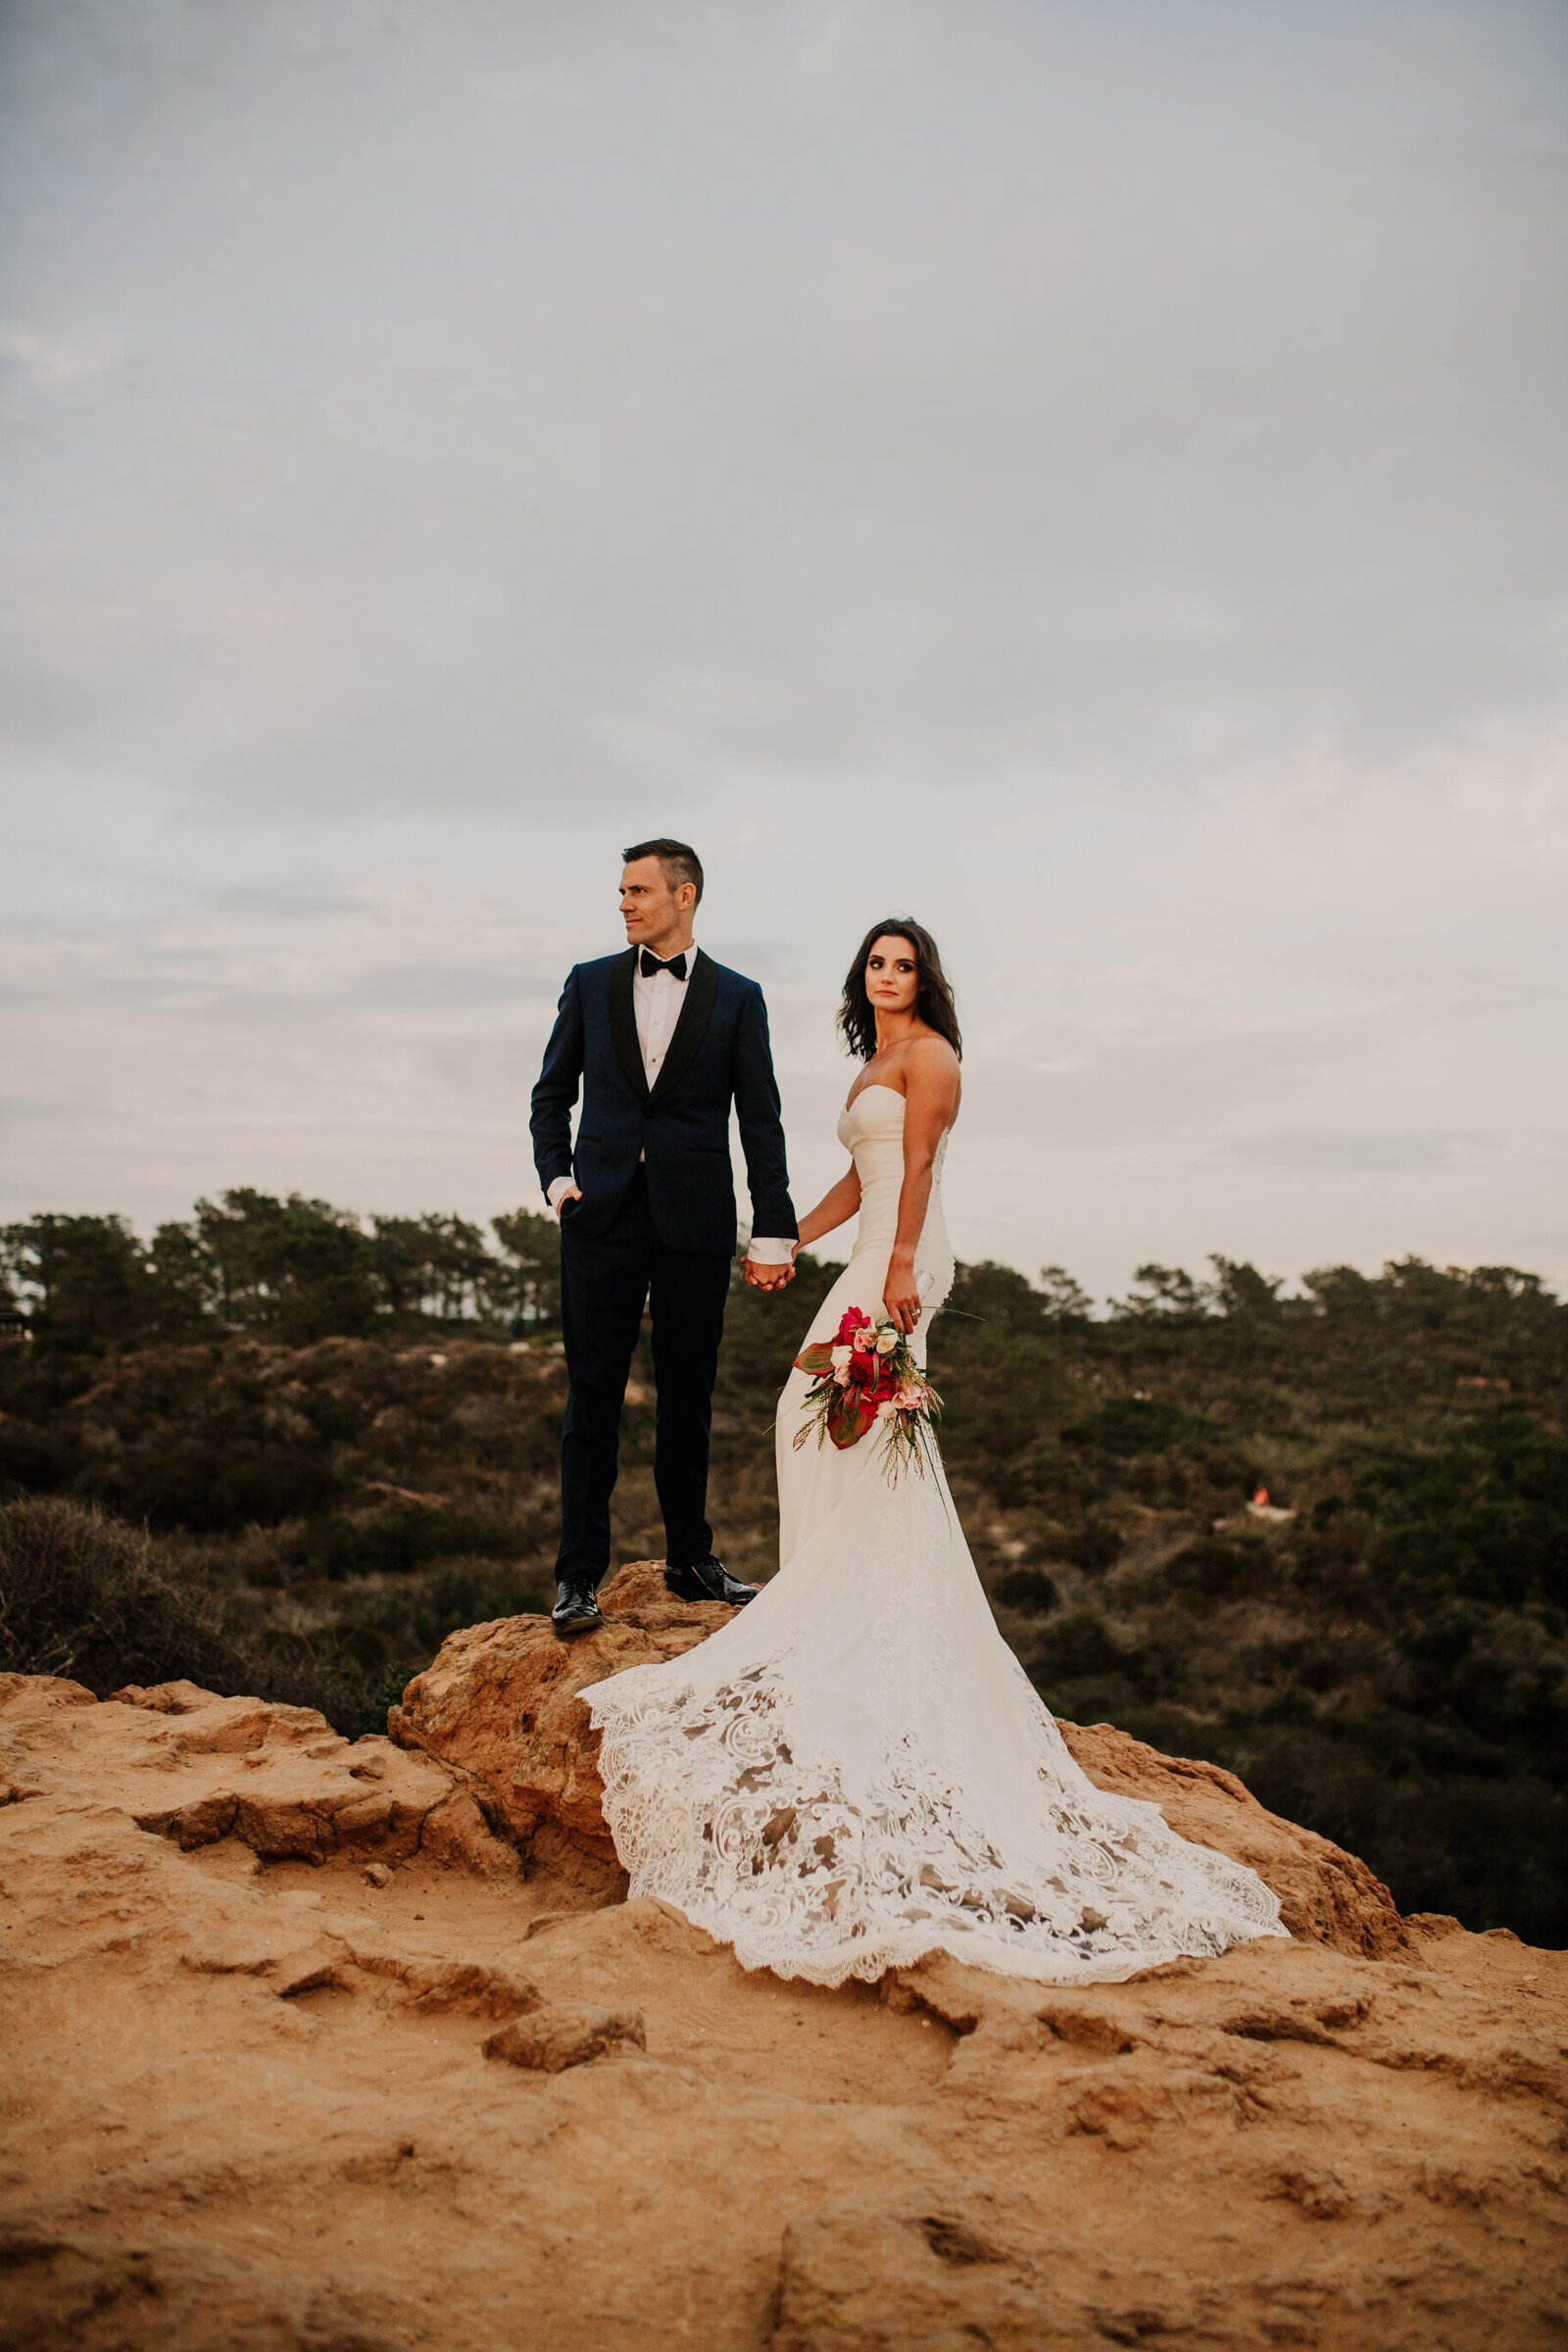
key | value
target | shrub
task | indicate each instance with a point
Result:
(392, 1543)
(1029, 1588)
(467, 1592)
(1224, 1568)
(1093, 1545)
(81, 1595)
(1135, 1425)
(1079, 1645)
(374, 1698)
(208, 1489)
(37, 1456)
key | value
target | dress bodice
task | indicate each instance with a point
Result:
(871, 1128)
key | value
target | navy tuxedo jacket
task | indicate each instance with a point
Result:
(719, 1053)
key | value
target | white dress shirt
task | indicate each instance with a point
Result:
(657, 998)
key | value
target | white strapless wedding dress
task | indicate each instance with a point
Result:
(855, 1770)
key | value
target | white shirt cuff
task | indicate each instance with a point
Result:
(558, 1186)
(766, 1250)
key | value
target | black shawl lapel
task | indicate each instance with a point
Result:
(624, 1025)
(691, 1028)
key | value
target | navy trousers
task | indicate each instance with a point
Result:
(604, 1281)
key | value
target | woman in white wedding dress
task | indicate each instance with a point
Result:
(856, 1771)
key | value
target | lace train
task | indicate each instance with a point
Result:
(856, 1771)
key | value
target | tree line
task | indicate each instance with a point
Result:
(299, 1269)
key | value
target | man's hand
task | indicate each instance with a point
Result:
(759, 1277)
(572, 1192)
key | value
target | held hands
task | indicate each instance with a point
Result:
(759, 1277)
(900, 1294)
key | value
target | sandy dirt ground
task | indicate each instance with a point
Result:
(298, 2056)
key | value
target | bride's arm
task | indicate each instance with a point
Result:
(835, 1209)
(930, 1106)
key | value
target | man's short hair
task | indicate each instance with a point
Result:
(678, 862)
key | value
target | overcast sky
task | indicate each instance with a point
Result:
(1086, 473)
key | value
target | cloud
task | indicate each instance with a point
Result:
(1190, 1067)
(46, 359)
(1094, 481)
(1351, 1154)
(1019, 456)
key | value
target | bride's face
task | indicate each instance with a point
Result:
(892, 975)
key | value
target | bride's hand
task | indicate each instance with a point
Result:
(900, 1294)
(759, 1277)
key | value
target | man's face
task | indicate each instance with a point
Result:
(651, 910)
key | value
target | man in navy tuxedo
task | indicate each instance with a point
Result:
(663, 1040)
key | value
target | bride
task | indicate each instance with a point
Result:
(856, 1771)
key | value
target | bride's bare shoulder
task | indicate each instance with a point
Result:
(932, 1049)
(930, 1054)
(931, 1066)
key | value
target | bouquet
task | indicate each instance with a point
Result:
(867, 1379)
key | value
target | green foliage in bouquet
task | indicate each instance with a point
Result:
(867, 1377)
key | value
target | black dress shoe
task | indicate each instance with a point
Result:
(577, 1609)
(709, 1579)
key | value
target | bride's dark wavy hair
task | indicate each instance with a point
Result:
(934, 1004)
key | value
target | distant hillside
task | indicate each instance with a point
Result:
(1388, 1665)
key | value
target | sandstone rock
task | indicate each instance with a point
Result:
(258, 1940)
(312, 1968)
(500, 1709)
(465, 1988)
(940, 1987)
(46, 1689)
(1325, 1893)
(456, 1830)
(926, 2280)
(555, 2039)
(165, 1698)
(158, 2294)
(257, 2110)
(206, 1769)
(1433, 1923)
(230, 1726)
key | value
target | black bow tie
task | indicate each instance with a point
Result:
(676, 968)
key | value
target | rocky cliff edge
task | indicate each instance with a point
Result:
(354, 2046)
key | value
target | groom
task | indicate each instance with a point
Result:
(662, 1040)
